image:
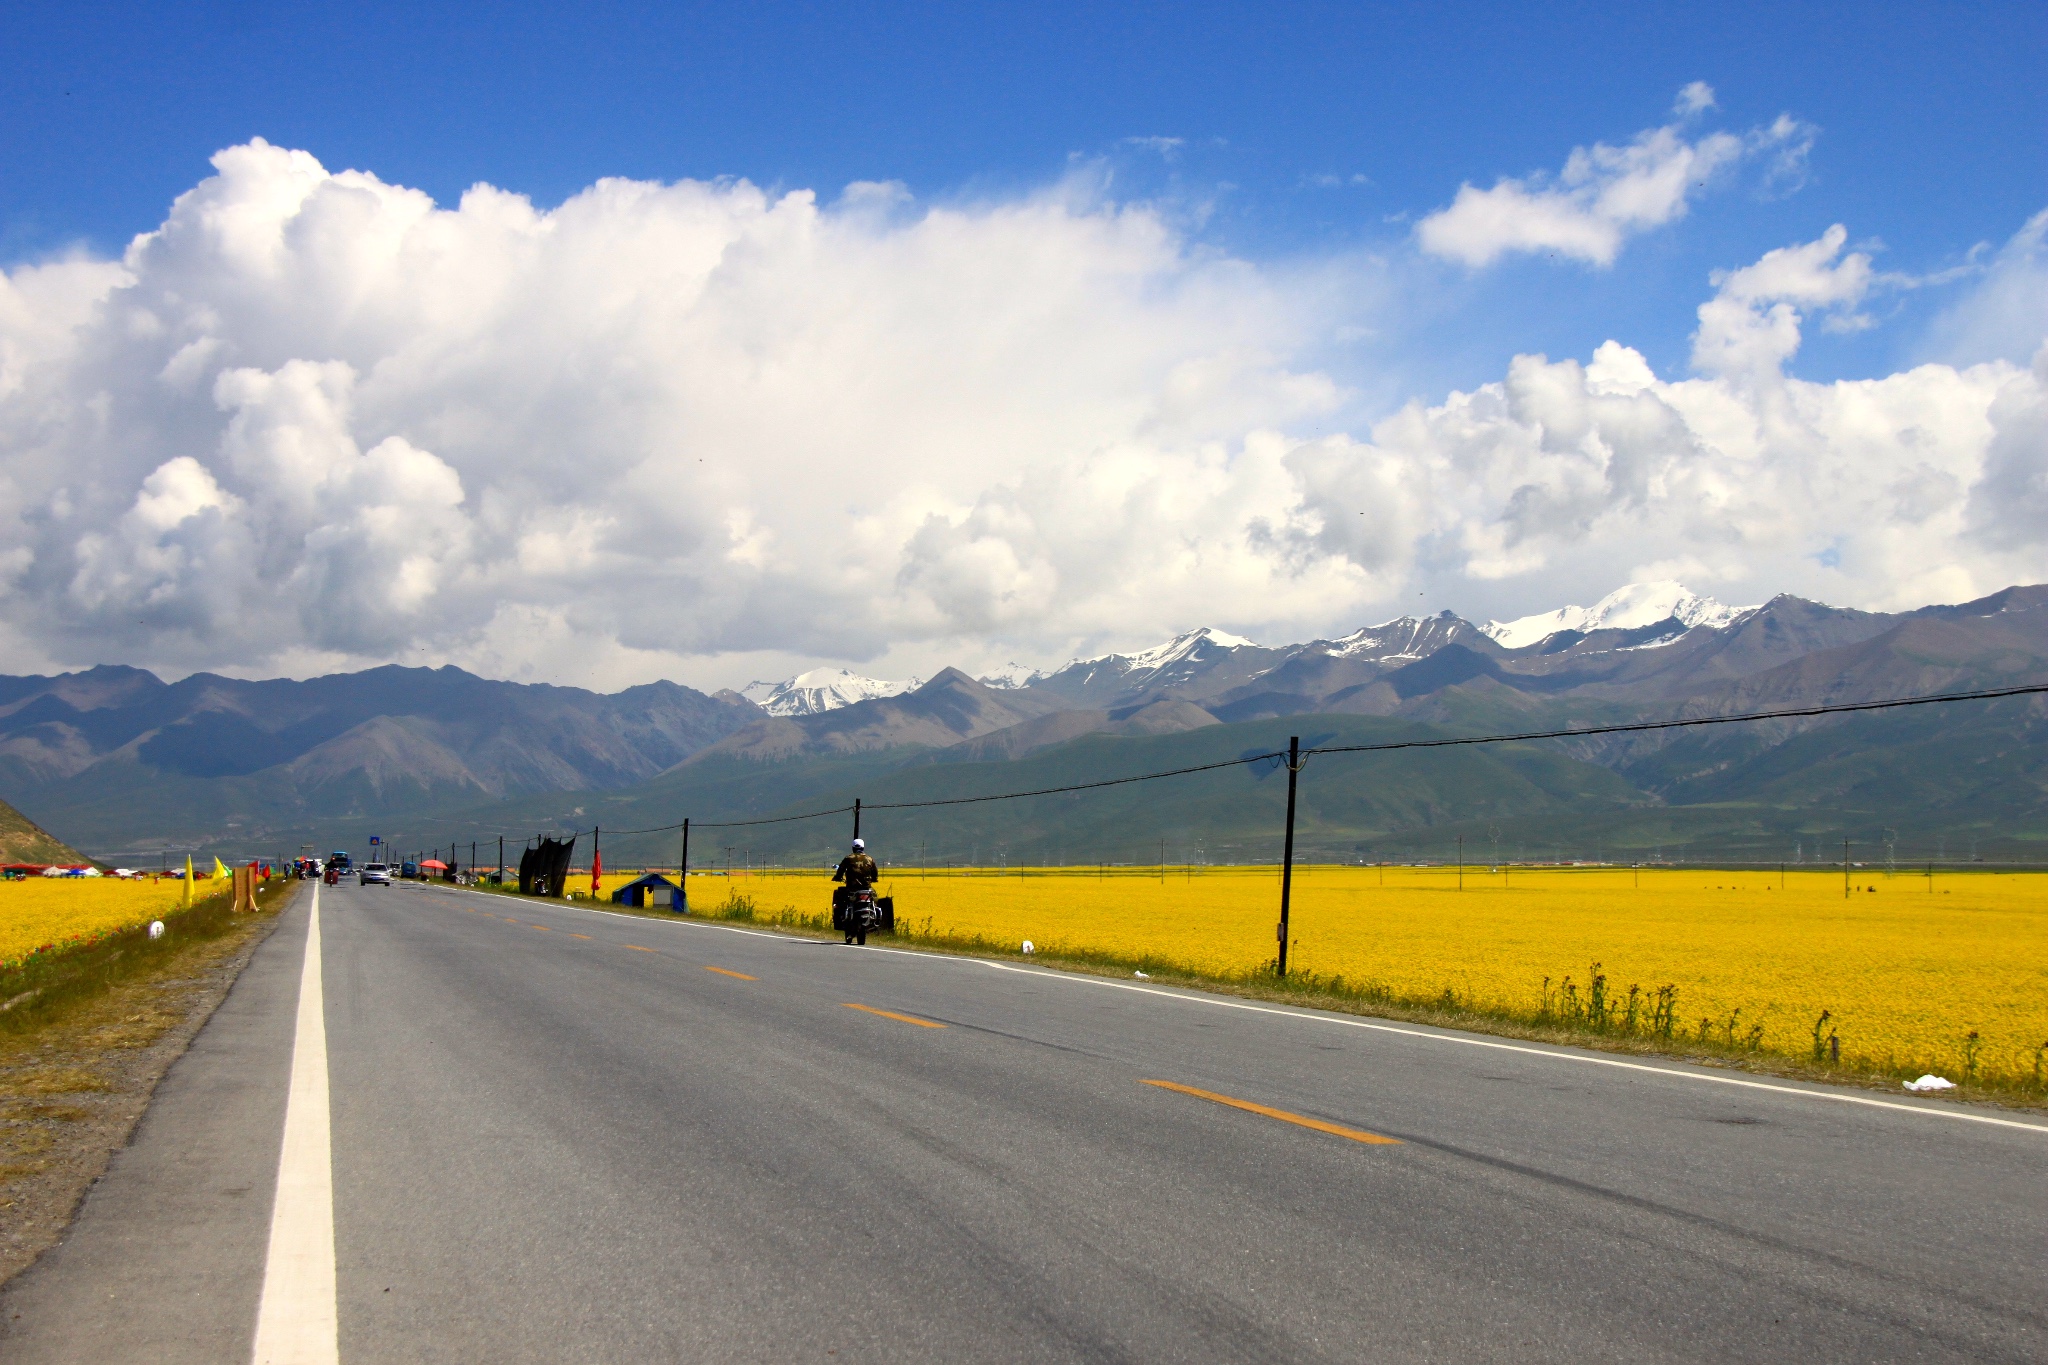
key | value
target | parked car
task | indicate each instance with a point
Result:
(374, 874)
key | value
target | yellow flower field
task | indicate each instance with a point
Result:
(1906, 967)
(44, 914)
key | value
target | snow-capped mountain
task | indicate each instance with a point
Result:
(1168, 665)
(822, 689)
(1011, 676)
(1638, 604)
(1404, 637)
(1181, 649)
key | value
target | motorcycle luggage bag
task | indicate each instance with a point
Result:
(887, 905)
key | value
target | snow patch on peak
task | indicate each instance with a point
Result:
(1401, 638)
(1638, 604)
(1179, 649)
(1011, 676)
(822, 689)
(1181, 646)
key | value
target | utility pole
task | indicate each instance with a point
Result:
(1845, 869)
(1287, 851)
(683, 873)
(501, 860)
(1461, 862)
(856, 817)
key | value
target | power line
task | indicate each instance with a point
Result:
(1836, 709)
(1280, 755)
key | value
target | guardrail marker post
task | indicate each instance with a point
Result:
(1287, 850)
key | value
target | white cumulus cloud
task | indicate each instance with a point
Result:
(315, 421)
(1604, 194)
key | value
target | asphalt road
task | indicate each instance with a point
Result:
(567, 1136)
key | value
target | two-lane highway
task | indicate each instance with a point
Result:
(558, 1134)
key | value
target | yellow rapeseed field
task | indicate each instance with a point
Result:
(50, 914)
(1907, 968)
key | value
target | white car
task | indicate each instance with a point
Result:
(374, 874)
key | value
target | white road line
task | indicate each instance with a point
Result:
(1434, 1037)
(297, 1323)
(1078, 979)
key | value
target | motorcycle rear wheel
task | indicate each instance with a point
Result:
(863, 937)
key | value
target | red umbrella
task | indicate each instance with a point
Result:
(435, 862)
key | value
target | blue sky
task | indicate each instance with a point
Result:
(1177, 315)
(1932, 122)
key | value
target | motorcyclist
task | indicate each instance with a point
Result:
(859, 873)
(857, 869)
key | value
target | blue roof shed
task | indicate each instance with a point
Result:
(652, 890)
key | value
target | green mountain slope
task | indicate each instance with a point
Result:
(22, 840)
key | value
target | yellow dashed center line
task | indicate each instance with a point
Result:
(1337, 1129)
(638, 949)
(542, 927)
(583, 936)
(739, 975)
(891, 1014)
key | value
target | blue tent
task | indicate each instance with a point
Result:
(652, 890)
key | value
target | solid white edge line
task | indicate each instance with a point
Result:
(297, 1322)
(1078, 979)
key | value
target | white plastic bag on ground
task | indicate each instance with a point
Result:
(156, 928)
(1027, 946)
(1930, 1082)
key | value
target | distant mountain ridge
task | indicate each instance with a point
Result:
(150, 754)
(118, 761)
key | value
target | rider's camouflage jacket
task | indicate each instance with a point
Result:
(858, 871)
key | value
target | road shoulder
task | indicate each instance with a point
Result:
(164, 1260)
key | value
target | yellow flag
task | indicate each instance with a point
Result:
(220, 870)
(188, 879)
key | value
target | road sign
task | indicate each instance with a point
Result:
(375, 840)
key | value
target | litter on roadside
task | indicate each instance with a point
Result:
(1930, 1082)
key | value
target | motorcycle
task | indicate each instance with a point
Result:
(862, 916)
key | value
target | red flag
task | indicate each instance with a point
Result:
(596, 871)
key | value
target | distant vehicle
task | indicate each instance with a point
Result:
(339, 860)
(410, 871)
(374, 874)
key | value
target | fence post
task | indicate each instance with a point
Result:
(1287, 850)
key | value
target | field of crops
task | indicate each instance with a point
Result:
(50, 914)
(1907, 968)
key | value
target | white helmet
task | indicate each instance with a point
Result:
(859, 844)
